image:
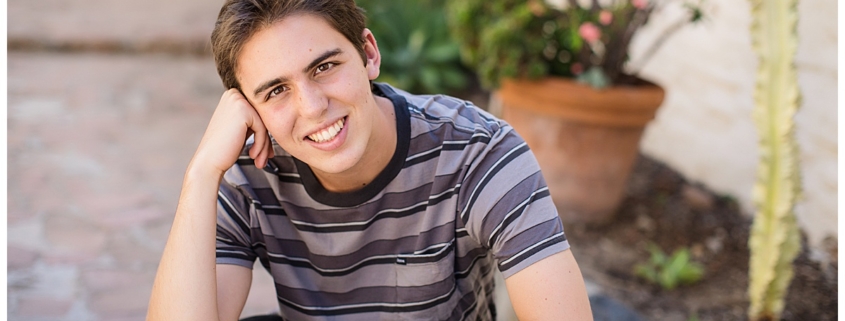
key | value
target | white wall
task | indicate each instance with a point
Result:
(704, 127)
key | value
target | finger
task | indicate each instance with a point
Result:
(260, 138)
(257, 145)
(265, 153)
(260, 161)
(271, 153)
(233, 93)
(258, 151)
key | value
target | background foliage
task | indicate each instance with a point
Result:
(418, 53)
(586, 42)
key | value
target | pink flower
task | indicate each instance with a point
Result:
(639, 4)
(576, 68)
(589, 32)
(605, 17)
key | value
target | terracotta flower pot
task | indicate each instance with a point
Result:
(586, 140)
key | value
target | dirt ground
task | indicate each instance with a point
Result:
(663, 207)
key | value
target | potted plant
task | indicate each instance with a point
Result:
(565, 85)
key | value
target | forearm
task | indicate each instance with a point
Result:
(185, 286)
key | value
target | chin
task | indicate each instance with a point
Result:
(337, 164)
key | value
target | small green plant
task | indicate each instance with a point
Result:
(669, 271)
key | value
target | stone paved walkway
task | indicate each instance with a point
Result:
(97, 148)
(106, 103)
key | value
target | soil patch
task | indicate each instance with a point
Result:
(663, 207)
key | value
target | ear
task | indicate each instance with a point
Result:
(372, 54)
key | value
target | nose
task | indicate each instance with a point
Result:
(312, 101)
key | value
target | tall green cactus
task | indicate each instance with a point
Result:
(775, 239)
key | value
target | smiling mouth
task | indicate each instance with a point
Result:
(328, 133)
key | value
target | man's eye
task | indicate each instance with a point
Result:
(325, 67)
(276, 91)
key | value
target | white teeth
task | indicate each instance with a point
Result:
(327, 134)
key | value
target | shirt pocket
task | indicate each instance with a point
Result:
(425, 282)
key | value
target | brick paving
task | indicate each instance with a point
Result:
(97, 147)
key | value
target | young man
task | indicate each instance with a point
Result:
(364, 202)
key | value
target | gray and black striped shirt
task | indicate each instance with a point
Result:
(462, 194)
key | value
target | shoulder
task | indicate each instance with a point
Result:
(447, 115)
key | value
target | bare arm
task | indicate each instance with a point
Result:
(186, 284)
(233, 282)
(550, 289)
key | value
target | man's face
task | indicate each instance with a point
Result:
(311, 88)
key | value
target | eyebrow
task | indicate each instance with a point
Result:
(314, 63)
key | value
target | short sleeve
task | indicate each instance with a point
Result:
(506, 206)
(234, 210)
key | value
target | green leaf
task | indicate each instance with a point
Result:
(668, 279)
(657, 256)
(691, 273)
(678, 261)
(669, 272)
(646, 271)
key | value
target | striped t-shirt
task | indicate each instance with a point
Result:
(462, 194)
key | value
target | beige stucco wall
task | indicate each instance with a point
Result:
(704, 127)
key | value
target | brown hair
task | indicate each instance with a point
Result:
(240, 19)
